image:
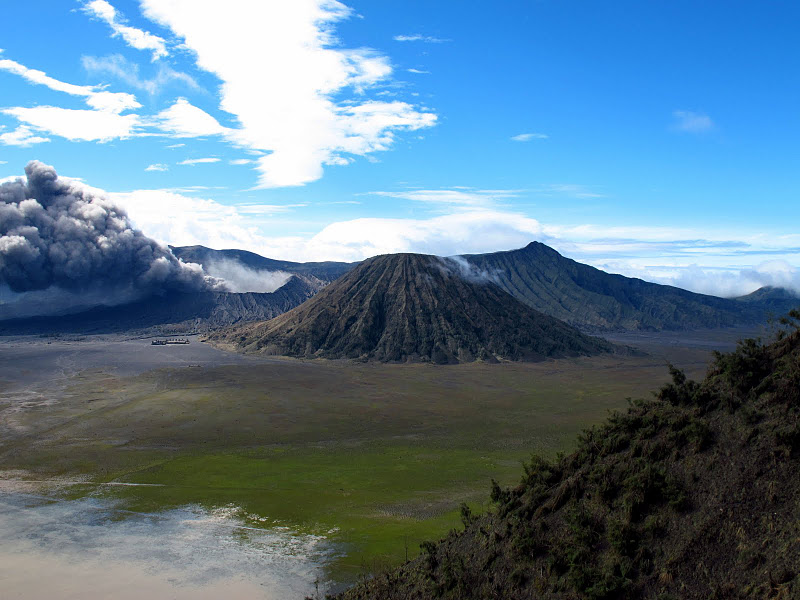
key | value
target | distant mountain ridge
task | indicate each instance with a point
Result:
(594, 300)
(412, 307)
(324, 272)
(177, 312)
(578, 294)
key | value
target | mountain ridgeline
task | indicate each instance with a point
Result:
(538, 276)
(691, 495)
(173, 312)
(413, 307)
(320, 272)
(594, 300)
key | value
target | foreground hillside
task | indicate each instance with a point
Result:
(691, 495)
(591, 299)
(413, 307)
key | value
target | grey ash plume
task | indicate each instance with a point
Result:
(59, 239)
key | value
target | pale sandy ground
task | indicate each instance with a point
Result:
(86, 549)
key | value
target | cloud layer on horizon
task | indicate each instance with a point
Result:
(732, 263)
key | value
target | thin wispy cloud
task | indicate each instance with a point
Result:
(266, 209)
(240, 161)
(418, 37)
(96, 97)
(465, 197)
(418, 71)
(157, 167)
(121, 68)
(572, 190)
(691, 122)
(199, 161)
(527, 137)
(135, 38)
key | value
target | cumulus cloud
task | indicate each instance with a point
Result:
(305, 106)
(22, 136)
(691, 122)
(157, 167)
(135, 38)
(527, 137)
(62, 238)
(76, 124)
(183, 119)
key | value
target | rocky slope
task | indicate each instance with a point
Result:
(412, 307)
(594, 300)
(691, 495)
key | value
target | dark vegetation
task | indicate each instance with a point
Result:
(413, 307)
(594, 300)
(693, 494)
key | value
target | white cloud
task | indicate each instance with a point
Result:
(240, 161)
(120, 67)
(418, 37)
(199, 161)
(692, 122)
(22, 136)
(77, 125)
(184, 221)
(103, 123)
(136, 38)
(729, 282)
(418, 71)
(157, 167)
(183, 119)
(175, 146)
(286, 79)
(465, 197)
(99, 99)
(731, 263)
(527, 137)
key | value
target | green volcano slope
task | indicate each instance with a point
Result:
(417, 308)
(694, 494)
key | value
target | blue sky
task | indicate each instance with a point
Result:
(654, 139)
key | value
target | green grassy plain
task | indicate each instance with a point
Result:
(377, 457)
